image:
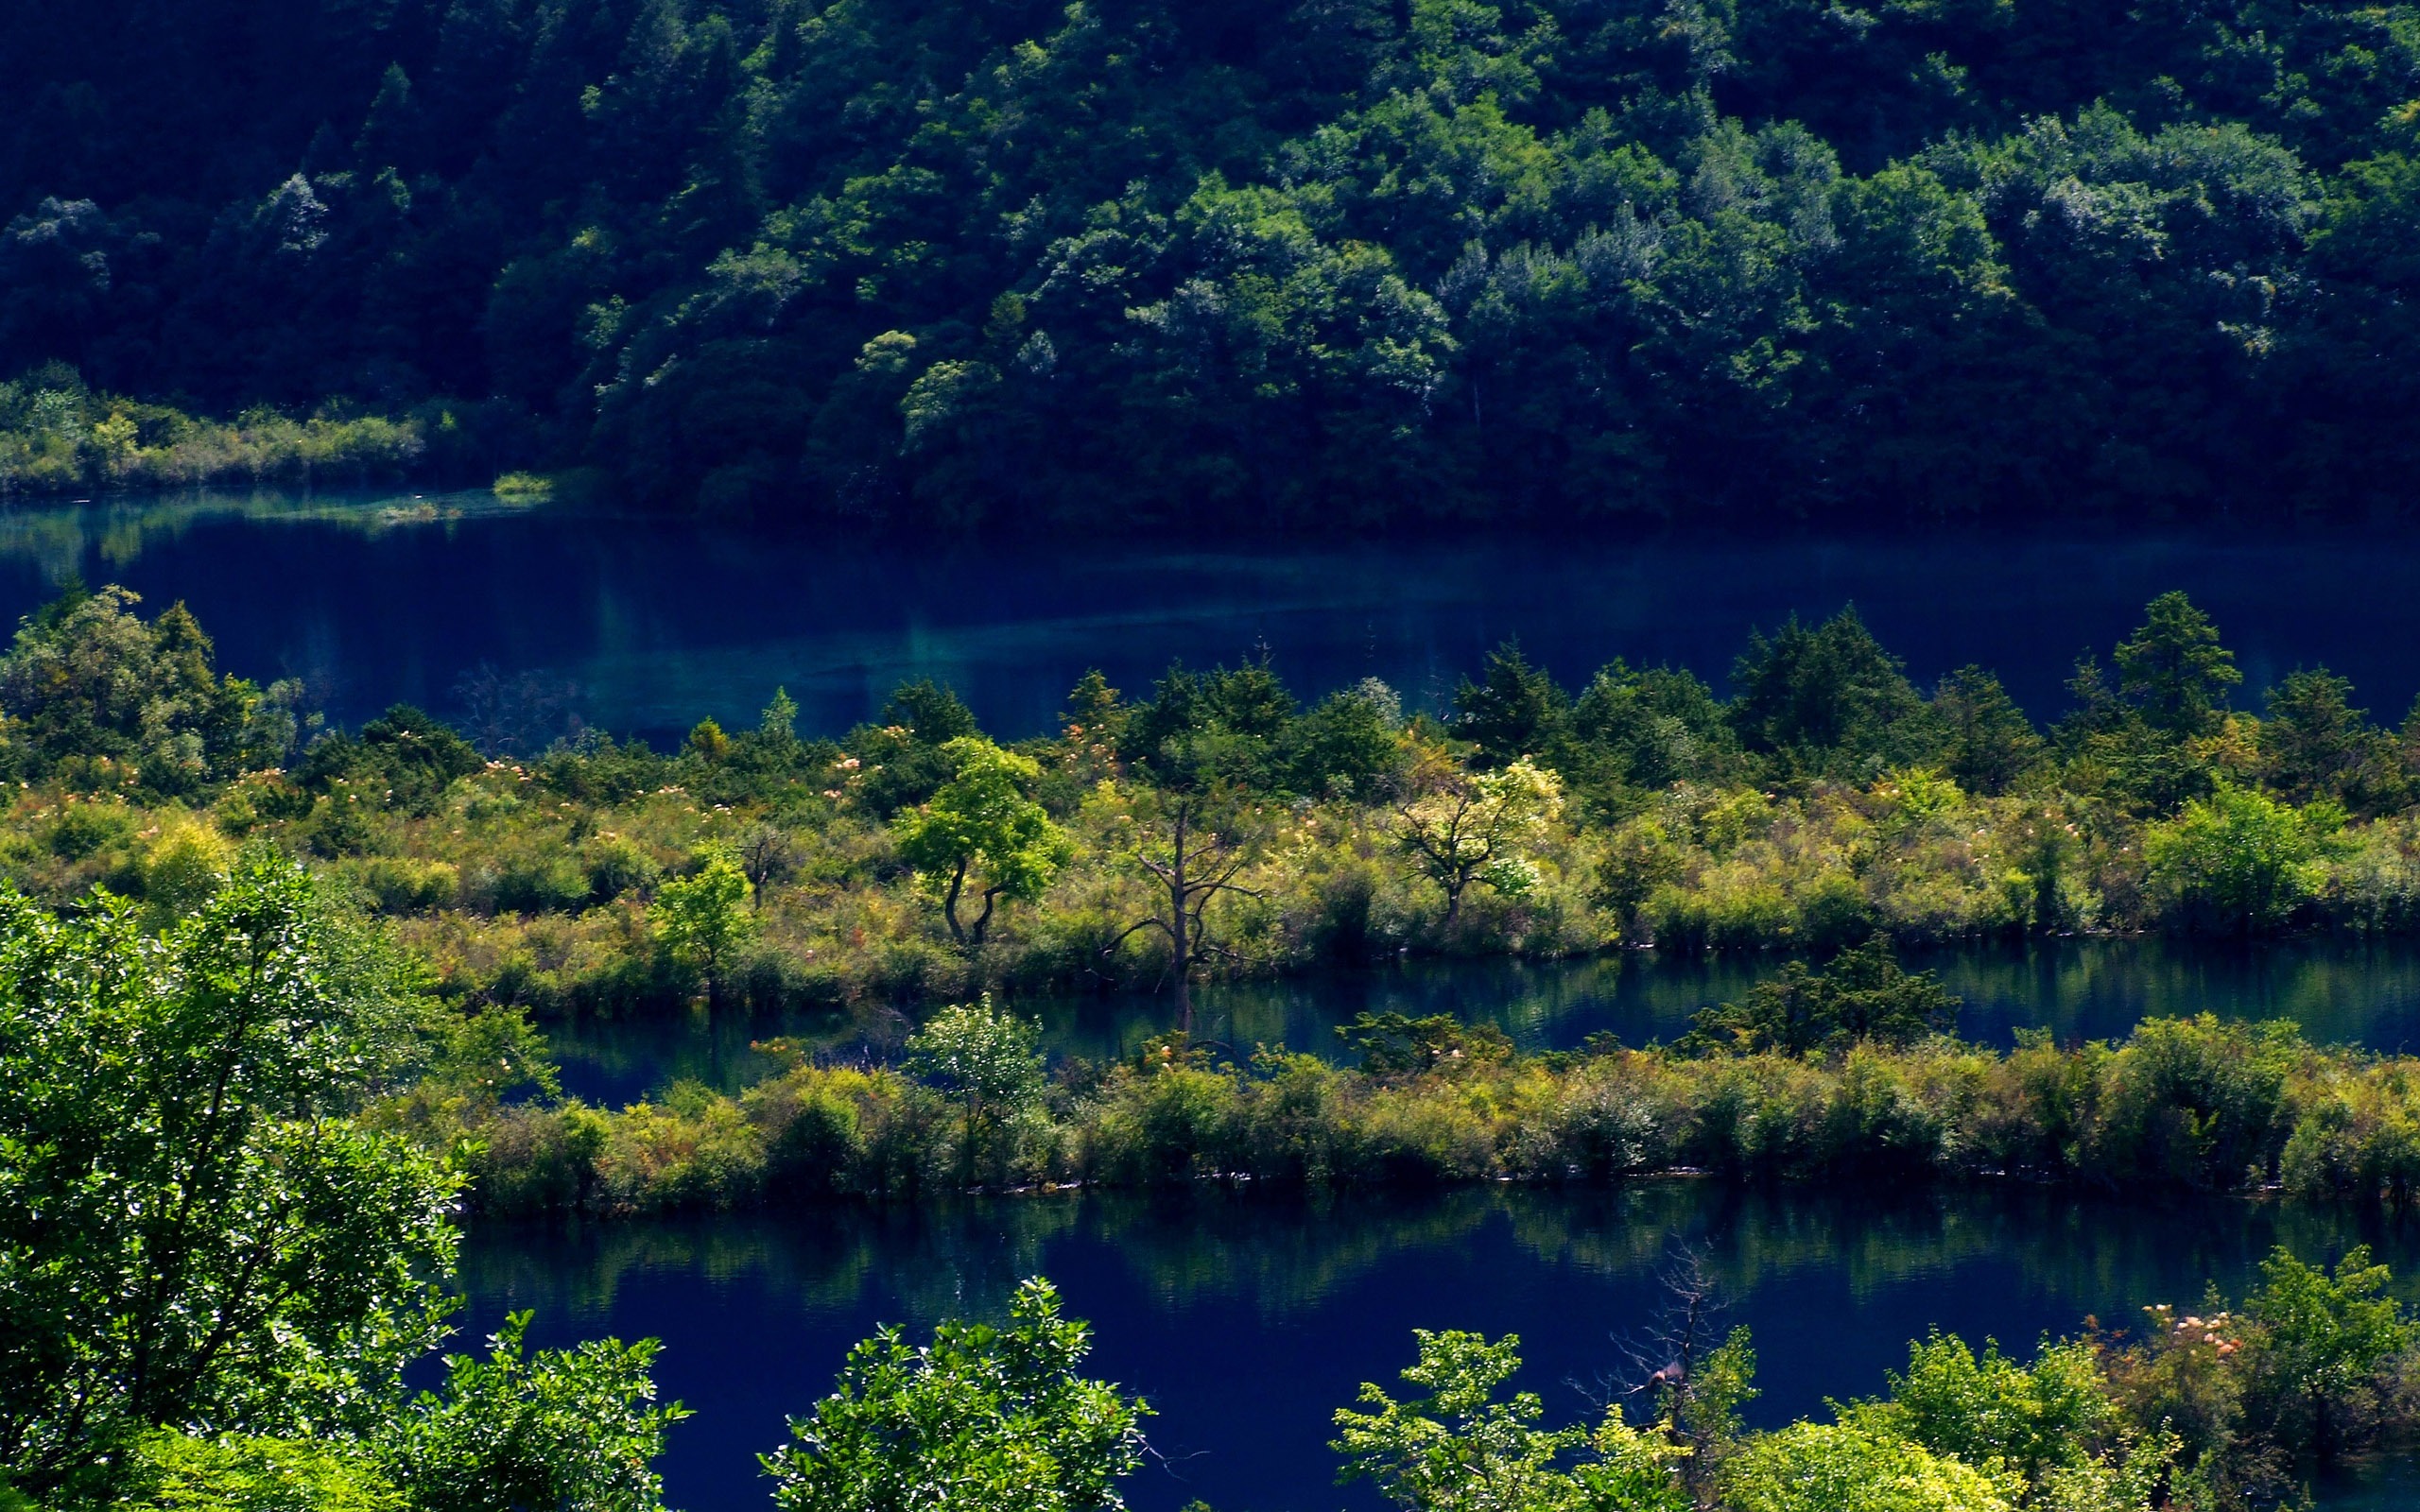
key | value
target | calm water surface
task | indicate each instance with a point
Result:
(1247, 1319)
(655, 623)
(2078, 990)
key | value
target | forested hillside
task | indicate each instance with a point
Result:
(1240, 262)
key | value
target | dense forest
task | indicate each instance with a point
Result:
(1291, 263)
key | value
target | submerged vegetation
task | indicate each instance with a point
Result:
(1251, 263)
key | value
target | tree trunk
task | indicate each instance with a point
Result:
(950, 903)
(1181, 936)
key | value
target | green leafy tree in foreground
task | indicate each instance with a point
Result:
(574, 1429)
(2324, 1339)
(983, 1419)
(985, 1057)
(1458, 1448)
(981, 831)
(191, 1228)
(702, 920)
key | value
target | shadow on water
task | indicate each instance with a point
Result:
(1247, 1318)
(2339, 993)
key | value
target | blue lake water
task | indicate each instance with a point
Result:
(655, 623)
(1246, 1319)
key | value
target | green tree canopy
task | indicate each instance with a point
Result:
(87, 679)
(703, 919)
(1459, 1447)
(984, 1418)
(195, 1231)
(982, 832)
(1861, 994)
(2174, 669)
(2240, 860)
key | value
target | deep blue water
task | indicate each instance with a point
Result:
(1248, 1319)
(2080, 989)
(657, 623)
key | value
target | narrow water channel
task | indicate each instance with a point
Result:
(2340, 992)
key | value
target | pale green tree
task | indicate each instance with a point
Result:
(2325, 1341)
(1460, 828)
(980, 834)
(985, 1059)
(1840, 1468)
(1459, 1447)
(2239, 859)
(703, 919)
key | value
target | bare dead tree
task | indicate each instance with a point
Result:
(1666, 1362)
(767, 856)
(1190, 861)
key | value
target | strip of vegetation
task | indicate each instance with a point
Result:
(1833, 1076)
(57, 436)
(1219, 827)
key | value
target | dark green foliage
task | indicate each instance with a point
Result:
(1160, 266)
(1651, 727)
(1861, 996)
(94, 695)
(1513, 711)
(1395, 1044)
(1345, 745)
(1987, 741)
(1829, 700)
(2314, 745)
(2174, 670)
(902, 757)
(1228, 724)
